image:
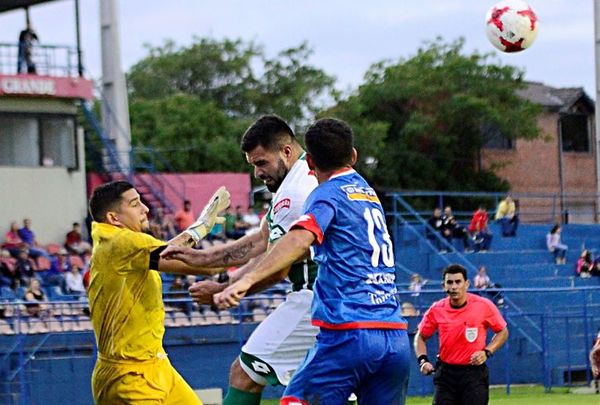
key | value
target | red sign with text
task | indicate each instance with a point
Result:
(46, 86)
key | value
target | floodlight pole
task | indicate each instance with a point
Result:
(115, 108)
(597, 105)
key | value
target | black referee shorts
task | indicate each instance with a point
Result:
(460, 385)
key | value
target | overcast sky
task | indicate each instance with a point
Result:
(347, 36)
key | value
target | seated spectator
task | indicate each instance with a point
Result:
(482, 282)
(74, 282)
(184, 217)
(12, 241)
(558, 249)
(231, 230)
(585, 264)
(416, 284)
(35, 297)
(74, 243)
(61, 265)
(8, 272)
(24, 265)
(408, 309)
(482, 236)
(507, 217)
(252, 219)
(436, 223)
(161, 225)
(179, 291)
(240, 224)
(28, 237)
(452, 229)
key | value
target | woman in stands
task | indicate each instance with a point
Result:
(555, 246)
(34, 296)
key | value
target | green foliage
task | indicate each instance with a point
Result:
(193, 103)
(424, 120)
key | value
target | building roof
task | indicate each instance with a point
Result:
(558, 99)
(7, 5)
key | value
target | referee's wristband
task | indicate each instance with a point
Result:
(422, 359)
(488, 353)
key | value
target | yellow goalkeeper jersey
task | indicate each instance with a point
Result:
(125, 296)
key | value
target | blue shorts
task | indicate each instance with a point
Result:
(371, 363)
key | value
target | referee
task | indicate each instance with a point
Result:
(462, 319)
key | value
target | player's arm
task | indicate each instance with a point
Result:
(481, 356)
(425, 365)
(230, 254)
(290, 248)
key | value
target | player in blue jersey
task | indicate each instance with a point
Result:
(362, 346)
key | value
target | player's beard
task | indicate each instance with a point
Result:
(278, 177)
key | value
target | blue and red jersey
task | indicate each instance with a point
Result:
(355, 286)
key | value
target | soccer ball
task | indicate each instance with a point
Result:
(511, 25)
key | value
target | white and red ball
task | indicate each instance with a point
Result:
(511, 25)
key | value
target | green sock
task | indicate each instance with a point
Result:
(239, 397)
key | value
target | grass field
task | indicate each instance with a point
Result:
(518, 396)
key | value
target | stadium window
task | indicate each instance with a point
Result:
(575, 132)
(493, 138)
(34, 140)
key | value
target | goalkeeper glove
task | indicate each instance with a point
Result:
(209, 215)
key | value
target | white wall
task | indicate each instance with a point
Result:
(52, 197)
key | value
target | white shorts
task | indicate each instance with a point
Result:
(279, 344)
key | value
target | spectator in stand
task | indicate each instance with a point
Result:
(558, 249)
(74, 282)
(416, 284)
(24, 265)
(25, 51)
(184, 217)
(436, 227)
(8, 275)
(507, 217)
(251, 218)
(179, 291)
(161, 226)
(452, 229)
(585, 264)
(482, 236)
(61, 265)
(28, 237)
(230, 225)
(240, 225)
(12, 241)
(35, 297)
(482, 282)
(74, 243)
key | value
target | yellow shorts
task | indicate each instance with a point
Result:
(148, 382)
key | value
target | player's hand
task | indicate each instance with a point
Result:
(427, 368)
(189, 256)
(209, 215)
(595, 360)
(203, 291)
(232, 295)
(478, 358)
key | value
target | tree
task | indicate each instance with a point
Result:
(421, 123)
(195, 102)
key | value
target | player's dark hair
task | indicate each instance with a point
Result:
(455, 269)
(106, 197)
(330, 142)
(270, 132)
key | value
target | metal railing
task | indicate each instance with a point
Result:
(50, 60)
(532, 207)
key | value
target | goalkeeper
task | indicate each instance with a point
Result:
(125, 296)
